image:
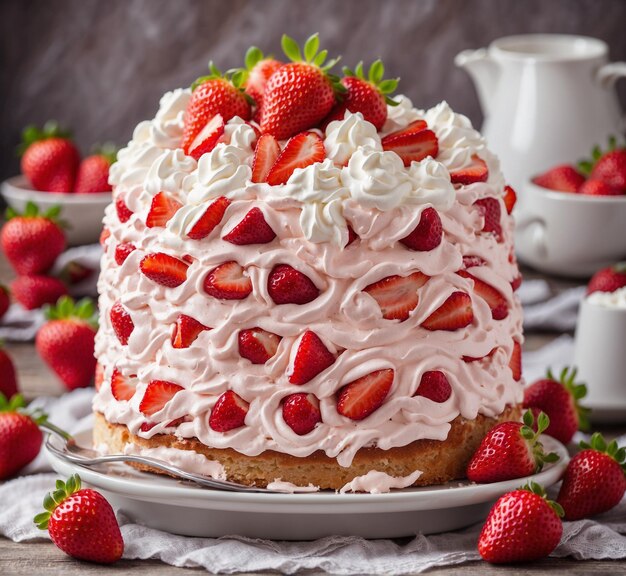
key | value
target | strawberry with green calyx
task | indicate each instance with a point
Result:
(32, 241)
(595, 479)
(81, 523)
(300, 94)
(523, 525)
(20, 437)
(93, 172)
(49, 158)
(368, 95)
(558, 398)
(259, 68)
(66, 341)
(511, 450)
(608, 279)
(214, 94)
(609, 166)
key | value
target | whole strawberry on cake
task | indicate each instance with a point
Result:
(307, 281)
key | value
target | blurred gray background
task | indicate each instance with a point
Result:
(100, 66)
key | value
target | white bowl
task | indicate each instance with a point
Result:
(569, 234)
(83, 213)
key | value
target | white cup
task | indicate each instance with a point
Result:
(600, 356)
(569, 234)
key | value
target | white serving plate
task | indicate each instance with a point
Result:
(82, 212)
(183, 508)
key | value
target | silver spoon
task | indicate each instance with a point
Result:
(72, 452)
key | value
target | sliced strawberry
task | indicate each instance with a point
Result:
(228, 282)
(358, 399)
(121, 388)
(301, 412)
(427, 234)
(162, 209)
(412, 147)
(311, 358)
(253, 229)
(157, 395)
(397, 295)
(490, 209)
(98, 377)
(208, 137)
(516, 282)
(164, 269)
(435, 386)
(510, 198)
(456, 312)
(186, 330)
(471, 261)
(122, 251)
(147, 426)
(477, 171)
(123, 212)
(104, 236)
(469, 359)
(497, 302)
(210, 219)
(352, 235)
(301, 151)
(286, 285)
(122, 323)
(410, 129)
(258, 345)
(515, 363)
(229, 412)
(265, 154)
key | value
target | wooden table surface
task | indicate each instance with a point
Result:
(44, 558)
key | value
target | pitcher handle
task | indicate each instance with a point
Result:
(608, 74)
(537, 238)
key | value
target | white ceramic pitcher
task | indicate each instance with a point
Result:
(546, 98)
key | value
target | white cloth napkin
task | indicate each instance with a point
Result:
(21, 325)
(545, 311)
(21, 498)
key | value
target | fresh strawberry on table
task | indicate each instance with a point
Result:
(368, 94)
(20, 437)
(562, 178)
(300, 94)
(49, 158)
(558, 398)
(66, 341)
(81, 523)
(37, 290)
(523, 525)
(510, 450)
(259, 69)
(595, 479)
(608, 167)
(608, 279)
(8, 376)
(211, 95)
(32, 241)
(93, 171)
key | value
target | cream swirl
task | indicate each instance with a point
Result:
(345, 137)
(222, 172)
(168, 172)
(318, 187)
(166, 129)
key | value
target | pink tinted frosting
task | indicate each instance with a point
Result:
(347, 319)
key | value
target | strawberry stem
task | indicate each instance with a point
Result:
(51, 500)
(375, 77)
(612, 449)
(67, 309)
(532, 437)
(586, 166)
(539, 490)
(32, 134)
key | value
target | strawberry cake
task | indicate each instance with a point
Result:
(306, 283)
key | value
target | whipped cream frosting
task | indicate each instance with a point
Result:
(382, 200)
(376, 482)
(615, 299)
